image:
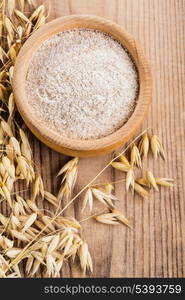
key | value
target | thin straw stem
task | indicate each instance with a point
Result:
(105, 183)
(92, 216)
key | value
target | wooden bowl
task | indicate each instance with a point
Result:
(74, 147)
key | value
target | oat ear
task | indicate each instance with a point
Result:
(151, 179)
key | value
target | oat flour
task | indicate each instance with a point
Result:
(82, 83)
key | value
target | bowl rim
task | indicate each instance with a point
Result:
(55, 140)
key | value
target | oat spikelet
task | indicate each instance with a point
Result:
(54, 243)
(69, 165)
(11, 72)
(21, 17)
(50, 263)
(40, 22)
(12, 54)
(29, 222)
(88, 199)
(23, 166)
(120, 217)
(68, 183)
(140, 190)
(37, 13)
(157, 147)
(168, 182)
(51, 198)
(70, 178)
(20, 236)
(135, 158)
(143, 182)
(144, 145)
(29, 264)
(102, 196)
(2, 58)
(8, 166)
(151, 179)
(6, 194)
(25, 146)
(28, 30)
(9, 27)
(20, 32)
(46, 220)
(85, 258)
(63, 192)
(124, 160)
(130, 178)
(24, 137)
(68, 244)
(15, 222)
(12, 253)
(109, 219)
(6, 128)
(2, 92)
(38, 187)
(3, 220)
(69, 172)
(5, 242)
(41, 226)
(120, 166)
(3, 75)
(17, 270)
(26, 152)
(70, 222)
(35, 267)
(11, 104)
(108, 190)
(15, 144)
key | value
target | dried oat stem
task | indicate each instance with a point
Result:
(105, 183)
(92, 216)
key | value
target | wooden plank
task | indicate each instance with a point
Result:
(155, 247)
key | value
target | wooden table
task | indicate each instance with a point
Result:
(155, 247)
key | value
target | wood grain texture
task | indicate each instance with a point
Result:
(156, 246)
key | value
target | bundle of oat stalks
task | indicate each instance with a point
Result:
(28, 235)
(61, 239)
